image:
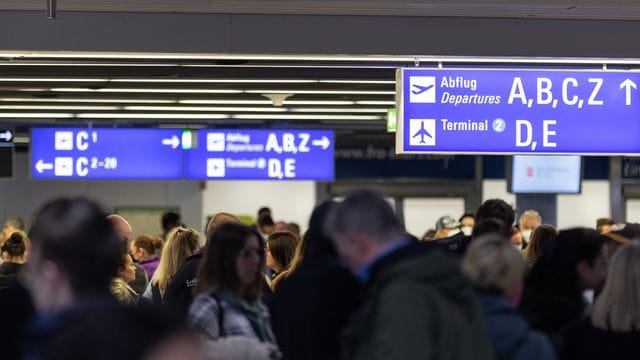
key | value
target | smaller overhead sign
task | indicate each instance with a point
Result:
(80, 153)
(6, 153)
(261, 155)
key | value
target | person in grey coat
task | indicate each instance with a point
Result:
(496, 269)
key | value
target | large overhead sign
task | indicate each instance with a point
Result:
(494, 111)
(73, 153)
(262, 155)
(239, 154)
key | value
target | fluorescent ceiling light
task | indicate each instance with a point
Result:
(150, 116)
(375, 102)
(338, 110)
(86, 100)
(206, 108)
(151, 90)
(15, 79)
(222, 101)
(358, 81)
(220, 81)
(35, 115)
(57, 107)
(72, 63)
(328, 92)
(306, 117)
(318, 102)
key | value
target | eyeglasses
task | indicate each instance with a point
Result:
(247, 253)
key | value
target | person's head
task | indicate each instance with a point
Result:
(467, 222)
(126, 269)
(496, 208)
(144, 247)
(13, 224)
(493, 265)
(294, 228)
(219, 219)
(122, 226)
(264, 211)
(446, 226)
(605, 225)
(617, 308)
(179, 245)
(517, 239)
(233, 261)
(529, 220)
(541, 235)
(624, 234)
(491, 226)
(75, 253)
(281, 247)
(14, 248)
(266, 225)
(170, 220)
(361, 226)
(573, 261)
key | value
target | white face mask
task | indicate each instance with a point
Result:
(466, 230)
(517, 246)
(526, 234)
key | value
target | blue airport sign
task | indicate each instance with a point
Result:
(499, 111)
(238, 154)
(97, 153)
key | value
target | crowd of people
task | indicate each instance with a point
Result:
(354, 285)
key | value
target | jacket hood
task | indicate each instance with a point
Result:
(504, 323)
(417, 263)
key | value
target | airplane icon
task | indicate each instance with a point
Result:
(418, 89)
(422, 133)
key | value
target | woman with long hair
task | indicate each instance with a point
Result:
(540, 236)
(180, 244)
(227, 302)
(572, 263)
(281, 248)
(612, 331)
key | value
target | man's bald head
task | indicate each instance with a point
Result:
(122, 226)
(219, 219)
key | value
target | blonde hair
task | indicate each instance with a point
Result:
(492, 264)
(618, 306)
(298, 256)
(180, 244)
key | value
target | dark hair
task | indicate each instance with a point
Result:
(282, 246)
(491, 226)
(217, 270)
(294, 228)
(149, 244)
(365, 211)
(77, 236)
(466, 215)
(14, 245)
(496, 208)
(265, 220)
(170, 220)
(122, 260)
(264, 211)
(554, 277)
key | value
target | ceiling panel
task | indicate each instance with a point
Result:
(566, 9)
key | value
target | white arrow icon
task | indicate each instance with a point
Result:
(174, 141)
(324, 142)
(628, 84)
(41, 166)
(6, 136)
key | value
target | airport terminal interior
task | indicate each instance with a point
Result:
(200, 108)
